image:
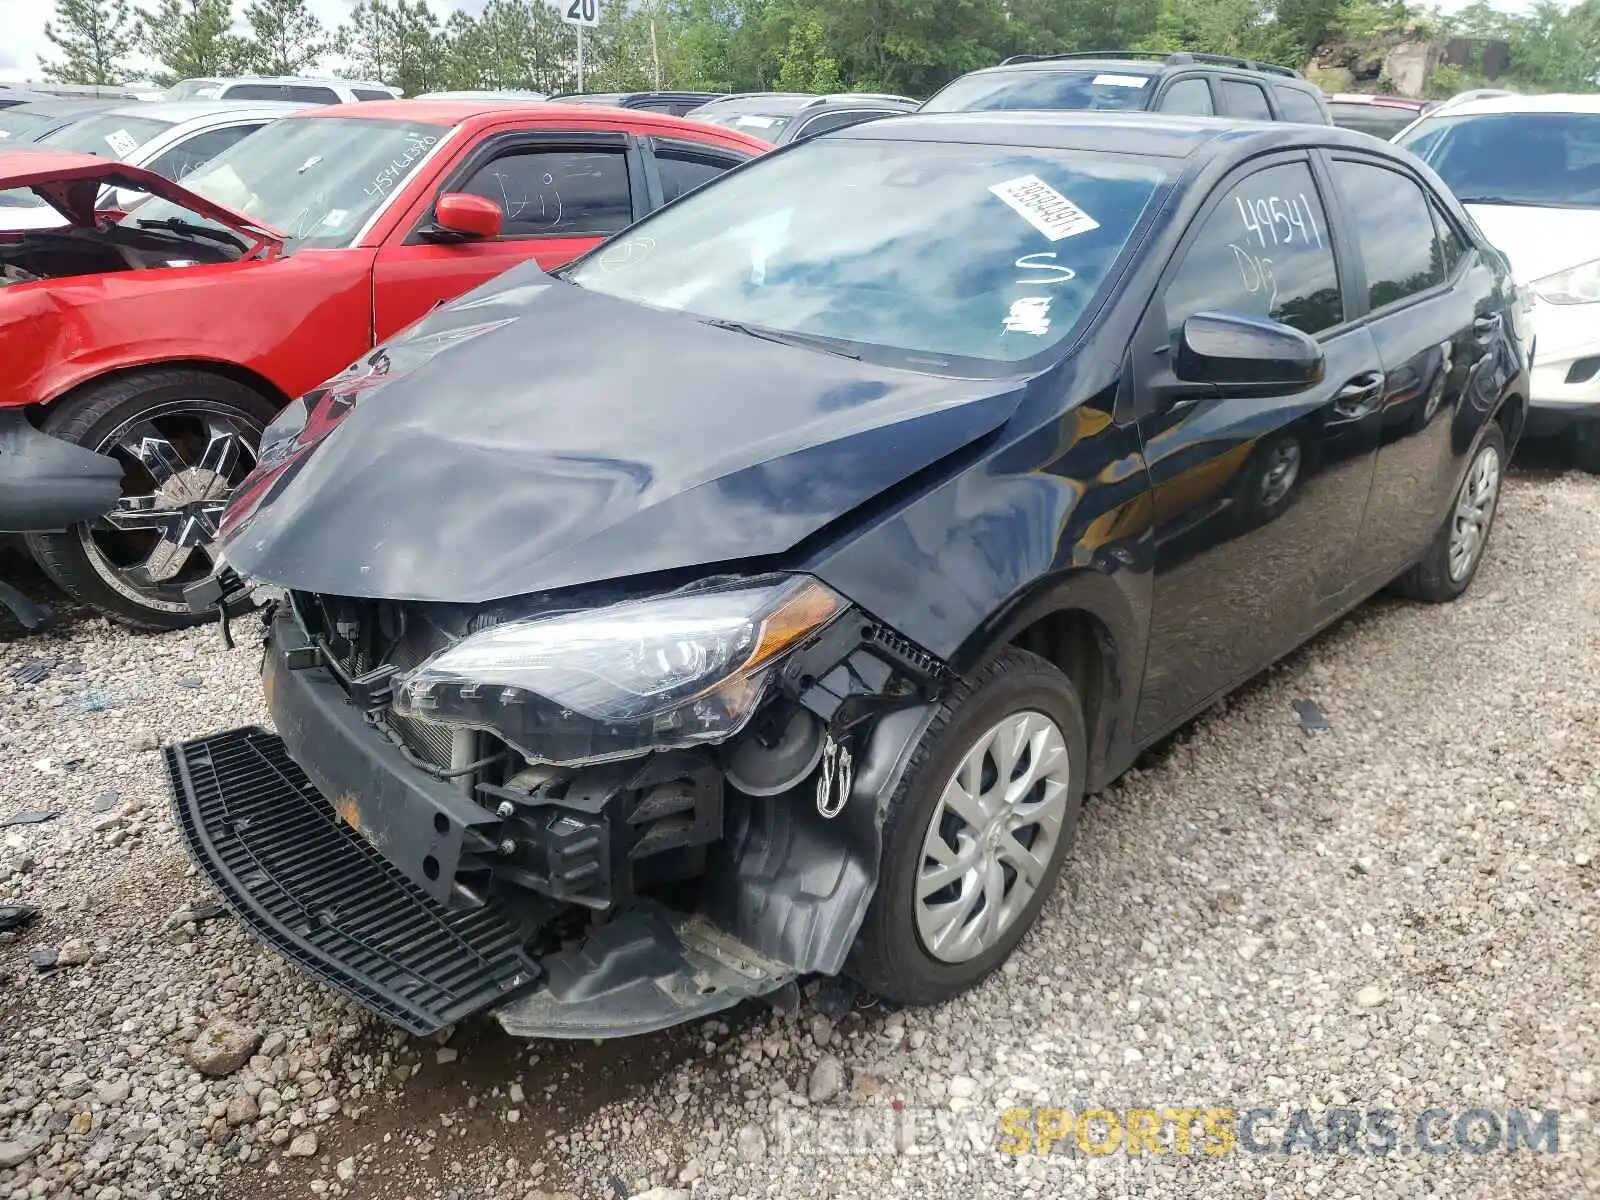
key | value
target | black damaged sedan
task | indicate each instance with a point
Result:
(760, 595)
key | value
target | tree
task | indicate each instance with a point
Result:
(190, 38)
(807, 65)
(93, 36)
(397, 41)
(285, 37)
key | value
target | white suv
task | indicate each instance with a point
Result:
(1528, 170)
(294, 90)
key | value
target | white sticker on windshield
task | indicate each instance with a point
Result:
(1135, 81)
(121, 142)
(1030, 314)
(5, 133)
(1046, 209)
(336, 218)
(758, 122)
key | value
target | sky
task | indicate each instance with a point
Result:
(23, 24)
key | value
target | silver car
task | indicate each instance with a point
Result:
(170, 137)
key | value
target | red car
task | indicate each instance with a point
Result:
(142, 353)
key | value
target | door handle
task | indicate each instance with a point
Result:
(1485, 326)
(1360, 396)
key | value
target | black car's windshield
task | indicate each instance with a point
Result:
(19, 125)
(950, 258)
(316, 179)
(1546, 160)
(1090, 88)
(109, 135)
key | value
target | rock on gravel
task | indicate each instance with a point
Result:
(827, 1080)
(223, 1047)
(303, 1146)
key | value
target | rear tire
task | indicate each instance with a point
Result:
(185, 438)
(1442, 576)
(1038, 708)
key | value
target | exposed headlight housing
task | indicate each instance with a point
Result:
(682, 669)
(1577, 285)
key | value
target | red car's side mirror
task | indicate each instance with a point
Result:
(467, 216)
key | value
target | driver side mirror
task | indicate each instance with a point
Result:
(1248, 356)
(462, 217)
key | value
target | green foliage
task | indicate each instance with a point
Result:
(907, 46)
(92, 37)
(285, 37)
(189, 38)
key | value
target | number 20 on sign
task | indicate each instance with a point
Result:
(580, 12)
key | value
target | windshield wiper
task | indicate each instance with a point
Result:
(179, 225)
(783, 337)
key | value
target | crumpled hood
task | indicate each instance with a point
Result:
(1540, 241)
(70, 183)
(534, 435)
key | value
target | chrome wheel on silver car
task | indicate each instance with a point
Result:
(992, 837)
(186, 439)
(1474, 514)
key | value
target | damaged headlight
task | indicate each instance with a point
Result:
(677, 670)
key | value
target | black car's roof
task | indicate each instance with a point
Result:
(1155, 135)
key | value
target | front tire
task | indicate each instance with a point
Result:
(976, 832)
(185, 439)
(1452, 561)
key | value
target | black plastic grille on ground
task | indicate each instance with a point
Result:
(313, 889)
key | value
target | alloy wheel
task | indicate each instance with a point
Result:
(992, 836)
(1469, 525)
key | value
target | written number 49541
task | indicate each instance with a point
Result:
(583, 10)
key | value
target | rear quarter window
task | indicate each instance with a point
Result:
(1300, 107)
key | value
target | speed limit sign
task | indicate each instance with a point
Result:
(580, 12)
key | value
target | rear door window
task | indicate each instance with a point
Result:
(1244, 99)
(683, 168)
(1394, 228)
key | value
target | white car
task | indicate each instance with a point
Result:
(170, 138)
(1528, 170)
(294, 89)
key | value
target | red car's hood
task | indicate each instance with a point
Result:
(70, 183)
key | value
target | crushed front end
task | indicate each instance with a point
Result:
(596, 819)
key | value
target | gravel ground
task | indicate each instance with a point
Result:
(1397, 912)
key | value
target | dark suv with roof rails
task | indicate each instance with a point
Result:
(675, 103)
(1199, 85)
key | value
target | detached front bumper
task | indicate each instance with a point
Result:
(349, 868)
(48, 484)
